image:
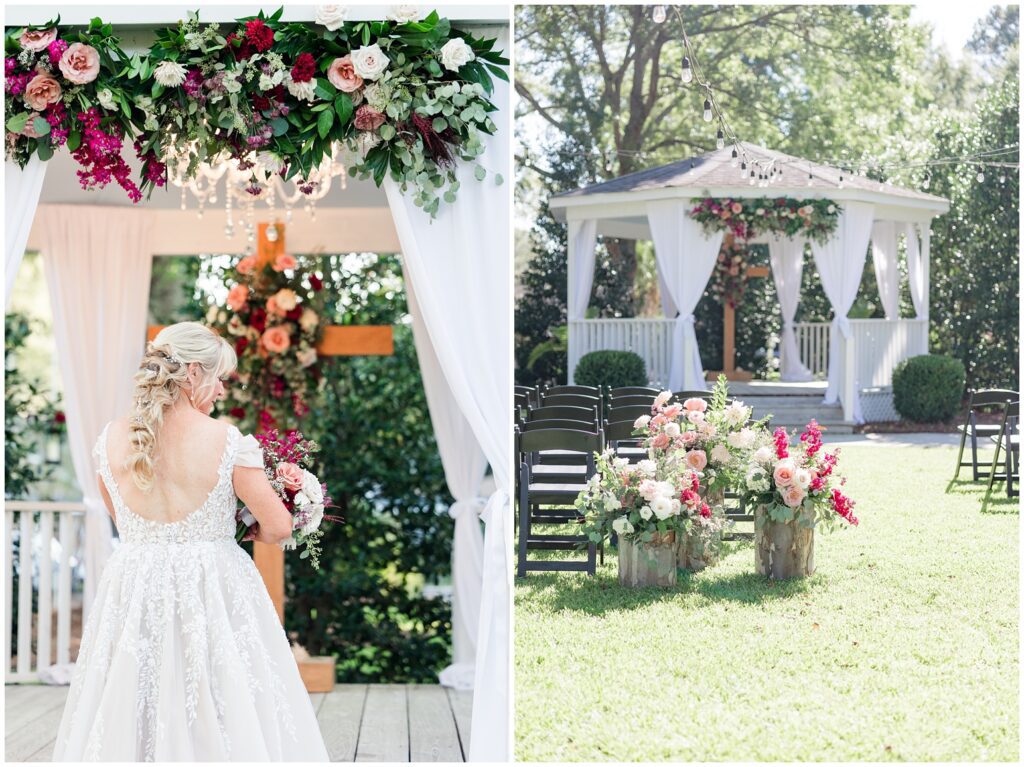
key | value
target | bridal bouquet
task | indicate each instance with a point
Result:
(305, 496)
(798, 484)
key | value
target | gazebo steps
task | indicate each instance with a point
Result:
(794, 411)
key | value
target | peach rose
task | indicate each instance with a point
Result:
(673, 410)
(689, 437)
(793, 495)
(737, 207)
(80, 63)
(695, 404)
(276, 339)
(237, 297)
(343, 76)
(661, 441)
(697, 460)
(286, 299)
(284, 261)
(246, 265)
(695, 416)
(275, 308)
(784, 472)
(41, 91)
(37, 39)
(291, 475)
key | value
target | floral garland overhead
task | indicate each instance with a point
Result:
(747, 218)
(404, 98)
(274, 320)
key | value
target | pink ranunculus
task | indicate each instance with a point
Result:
(368, 118)
(37, 39)
(80, 63)
(793, 495)
(784, 472)
(673, 410)
(342, 75)
(661, 441)
(648, 489)
(658, 420)
(237, 297)
(689, 437)
(662, 398)
(695, 403)
(291, 475)
(697, 460)
(695, 416)
(41, 91)
(284, 261)
(246, 265)
(706, 428)
(737, 207)
(276, 339)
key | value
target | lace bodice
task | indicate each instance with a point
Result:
(214, 520)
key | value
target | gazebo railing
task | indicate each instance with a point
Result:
(42, 540)
(649, 337)
(812, 339)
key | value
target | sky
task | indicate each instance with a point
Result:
(953, 21)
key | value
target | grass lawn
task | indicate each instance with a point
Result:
(903, 645)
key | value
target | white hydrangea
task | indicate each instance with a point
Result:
(647, 466)
(612, 502)
(620, 463)
(763, 454)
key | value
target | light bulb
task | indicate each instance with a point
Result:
(981, 176)
(687, 73)
(720, 142)
(735, 158)
(810, 179)
(752, 179)
(926, 181)
(840, 180)
(658, 14)
(707, 110)
(1002, 178)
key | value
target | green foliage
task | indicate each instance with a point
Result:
(610, 369)
(28, 409)
(928, 388)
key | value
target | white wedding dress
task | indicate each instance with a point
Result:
(183, 657)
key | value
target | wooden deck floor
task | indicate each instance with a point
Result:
(361, 723)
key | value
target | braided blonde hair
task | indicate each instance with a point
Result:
(162, 376)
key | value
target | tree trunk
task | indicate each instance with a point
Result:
(648, 564)
(782, 549)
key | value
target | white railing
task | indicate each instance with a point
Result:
(45, 565)
(883, 344)
(651, 338)
(812, 340)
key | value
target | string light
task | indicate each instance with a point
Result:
(735, 155)
(659, 14)
(720, 140)
(981, 176)
(687, 73)
(707, 110)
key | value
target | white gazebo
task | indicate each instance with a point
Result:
(653, 205)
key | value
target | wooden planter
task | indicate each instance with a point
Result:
(695, 552)
(648, 564)
(782, 549)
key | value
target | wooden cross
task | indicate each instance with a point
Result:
(338, 340)
(729, 328)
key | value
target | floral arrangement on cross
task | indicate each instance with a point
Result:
(746, 218)
(407, 97)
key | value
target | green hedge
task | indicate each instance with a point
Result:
(611, 369)
(928, 387)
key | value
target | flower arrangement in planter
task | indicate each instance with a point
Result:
(793, 491)
(273, 316)
(747, 218)
(406, 97)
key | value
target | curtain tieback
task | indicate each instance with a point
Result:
(498, 499)
(461, 508)
(842, 324)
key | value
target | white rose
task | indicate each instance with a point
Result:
(662, 507)
(303, 91)
(672, 430)
(306, 357)
(622, 526)
(309, 319)
(763, 454)
(647, 466)
(456, 53)
(645, 512)
(665, 489)
(106, 99)
(720, 454)
(316, 516)
(331, 16)
(170, 74)
(301, 499)
(641, 422)
(620, 463)
(311, 488)
(741, 439)
(286, 299)
(612, 503)
(369, 62)
(803, 478)
(403, 14)
(662, 398)
(736, 413)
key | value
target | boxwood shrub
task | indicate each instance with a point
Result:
(611, 369)
(928, 388)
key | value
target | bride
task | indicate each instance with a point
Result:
(183, 657)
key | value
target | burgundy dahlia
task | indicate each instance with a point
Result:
(304, 69)
(259, 35)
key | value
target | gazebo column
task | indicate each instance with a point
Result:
(581, 246)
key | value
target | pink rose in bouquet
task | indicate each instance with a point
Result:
(80, 63)
(36, 40)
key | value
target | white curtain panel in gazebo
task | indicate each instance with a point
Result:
(686, 257)
(887, 273)
(464, 467)
(582, 244)
(98, 263)
(21, 196)
(466, 309)
(787, 259)
(916, 273)
(840, 263)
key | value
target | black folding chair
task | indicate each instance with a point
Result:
(681, 396)
(572, 400)
(626, 412)
(981, 401)
(553, 503)
(591, 391)
(627, 391)
(632, 399)
(1008, 440)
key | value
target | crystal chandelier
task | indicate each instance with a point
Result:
(250, 181)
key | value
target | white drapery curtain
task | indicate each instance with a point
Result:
(787, 259)
(686, 259)
(582, 242)
(464, 467)
(887, 273)
(840, 263)
(462, 290)
(21, 197)
(916, 272)
(98, 262)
